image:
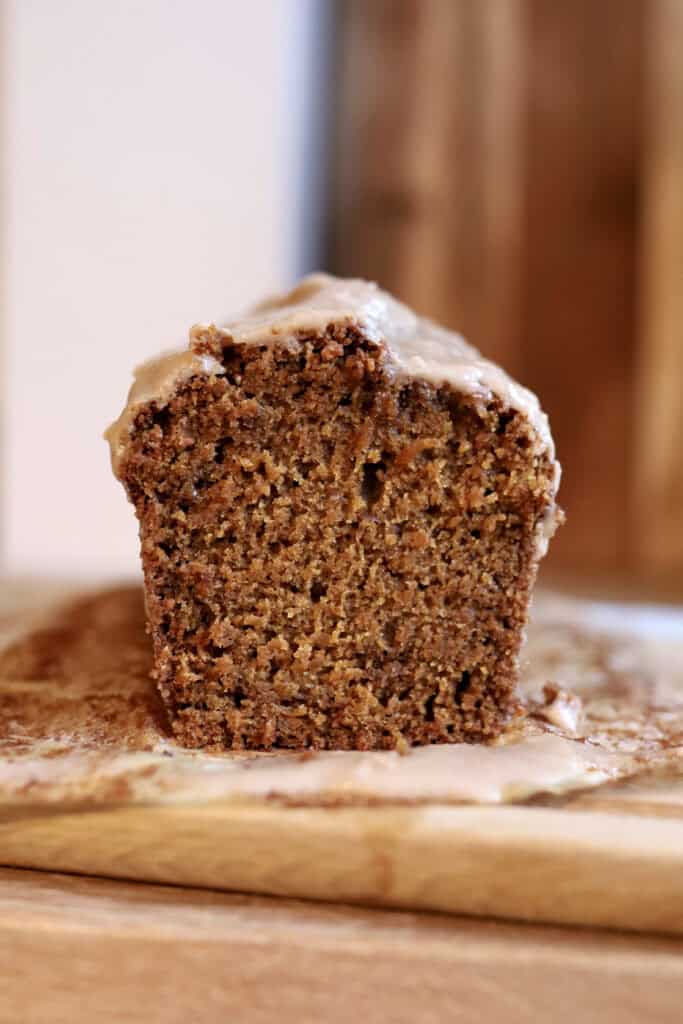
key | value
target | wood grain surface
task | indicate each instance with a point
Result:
(659, 478)
(81, 950)
(514, 168)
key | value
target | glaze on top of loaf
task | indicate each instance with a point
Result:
(417, 349)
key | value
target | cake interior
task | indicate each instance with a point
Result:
(334, 557)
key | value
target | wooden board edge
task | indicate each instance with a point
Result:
(533, 864)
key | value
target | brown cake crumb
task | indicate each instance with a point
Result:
(336, 555)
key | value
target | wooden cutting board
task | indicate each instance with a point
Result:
(551, 827)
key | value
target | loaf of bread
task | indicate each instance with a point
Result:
(342, 508)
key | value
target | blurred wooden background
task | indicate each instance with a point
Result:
(514, 168)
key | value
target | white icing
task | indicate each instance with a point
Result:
(563, 710)
(461, 773)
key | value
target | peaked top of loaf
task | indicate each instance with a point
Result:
(417, 347)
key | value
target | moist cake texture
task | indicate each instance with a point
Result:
(342, 508)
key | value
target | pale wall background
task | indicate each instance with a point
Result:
(161, 165)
